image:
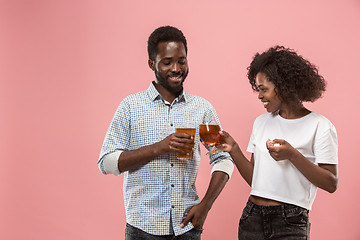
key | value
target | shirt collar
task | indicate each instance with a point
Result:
(154, 94)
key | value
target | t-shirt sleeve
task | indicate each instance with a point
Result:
(326, 143)
(251, 145)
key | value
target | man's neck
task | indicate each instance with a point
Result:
(166, 94)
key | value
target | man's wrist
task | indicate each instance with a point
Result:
(206, 204)
(155, 148)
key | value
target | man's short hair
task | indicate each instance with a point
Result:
(164, 34)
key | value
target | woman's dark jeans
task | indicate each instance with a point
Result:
(285, 221)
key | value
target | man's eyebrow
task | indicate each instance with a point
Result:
(170, 58)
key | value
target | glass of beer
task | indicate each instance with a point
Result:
(209, 134)
(191, 132)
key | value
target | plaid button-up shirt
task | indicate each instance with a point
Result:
(157, 193)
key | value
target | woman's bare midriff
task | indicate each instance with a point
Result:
(264, 201)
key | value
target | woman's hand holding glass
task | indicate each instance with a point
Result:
(227, 142)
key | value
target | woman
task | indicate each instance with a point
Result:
(294, 150)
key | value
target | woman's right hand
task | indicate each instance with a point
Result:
(227, 143)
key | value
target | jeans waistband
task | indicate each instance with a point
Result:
(277, 209)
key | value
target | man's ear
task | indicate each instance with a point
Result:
(151, 64)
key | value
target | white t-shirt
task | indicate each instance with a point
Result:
(313, 135)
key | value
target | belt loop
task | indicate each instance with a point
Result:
(283, 206)
(250, 205)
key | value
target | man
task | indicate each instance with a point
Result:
(159, 189)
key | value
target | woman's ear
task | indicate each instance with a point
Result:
(276, 90)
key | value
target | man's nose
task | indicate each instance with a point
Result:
(175, 67)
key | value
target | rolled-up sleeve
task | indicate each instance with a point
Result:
(109, 163)
(225, 165)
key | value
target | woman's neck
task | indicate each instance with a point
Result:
(293, 111)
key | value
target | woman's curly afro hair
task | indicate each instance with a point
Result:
(295, 78)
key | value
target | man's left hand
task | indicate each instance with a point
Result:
(196, 216)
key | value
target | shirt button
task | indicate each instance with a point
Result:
(171, 124)
(172, 165)
(172, 185)
(172, 206)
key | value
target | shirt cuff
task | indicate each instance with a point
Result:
(110, 162)
(225, 165)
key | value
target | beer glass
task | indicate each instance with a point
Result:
(209, 134)
(190, 131)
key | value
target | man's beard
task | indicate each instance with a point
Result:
(163, 82)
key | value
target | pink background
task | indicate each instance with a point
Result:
(66, 65)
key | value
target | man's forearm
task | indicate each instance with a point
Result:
(133, 158)
(216, 185)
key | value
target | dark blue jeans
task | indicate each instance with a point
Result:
(133, 233)
(285, 221)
